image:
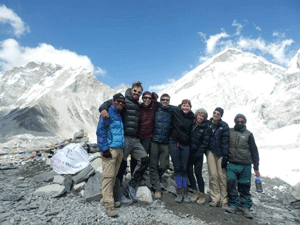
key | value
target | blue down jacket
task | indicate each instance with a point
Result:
(110, 132)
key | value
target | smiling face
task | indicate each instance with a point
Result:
(186, 108)
(147, 100)
(136, 92)
(119, 104)
(200, 118)
(165, 101)
(216, 116)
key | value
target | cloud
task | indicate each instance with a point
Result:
(239, 27)
(12, 55)
(159, 88)
(277, 50)
(100, 72)
(8, 16)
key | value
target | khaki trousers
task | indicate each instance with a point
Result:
(110, 168)
(217, 178)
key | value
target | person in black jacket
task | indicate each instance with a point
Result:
(179, 147)
(133, 146)
(159, 153)
(217, 143)
(196, 155)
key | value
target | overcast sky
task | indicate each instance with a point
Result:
(153, 41)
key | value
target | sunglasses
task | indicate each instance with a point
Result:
(120, 102)
(240, 122)
(216, 113)
(165, 100)
(147, 98)
(139, 92)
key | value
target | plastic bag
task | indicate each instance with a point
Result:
(70, 160)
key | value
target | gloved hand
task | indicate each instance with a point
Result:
(107, 154)
(224, 162)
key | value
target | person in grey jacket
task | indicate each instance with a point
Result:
(242, 153)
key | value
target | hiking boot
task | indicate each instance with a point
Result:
(201, 200)
(117, 204)
(231, 209)
(186, 197)
(195, 196)
(123, 200)
(179, 195)
(111, 212)
(157, 195)
(131, 192)
(247, 213)
(213, 204)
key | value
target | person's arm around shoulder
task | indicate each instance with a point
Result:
(103, 109)
(254, 154)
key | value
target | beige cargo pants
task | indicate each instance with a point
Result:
(110, 168)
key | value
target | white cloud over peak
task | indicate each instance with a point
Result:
(100, 72)
(277, 50)
(159, 88)
(8, 16)
(12, 55)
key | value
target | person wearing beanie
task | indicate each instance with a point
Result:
(241, 155)
(111, 142)
(133, 146)
(195, 163)
(179, 147)
(216, 142)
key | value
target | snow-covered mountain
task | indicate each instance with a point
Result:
(49, 102)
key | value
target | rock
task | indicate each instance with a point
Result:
(296, 191)
(92, 190)
(83, 174)
(97, 164)
(79, 187)
(78, 134)
(93, 148)
(143, 194)
(45, 176)
(12, 197)
(64, 180)
(52, 190)
(93, 156)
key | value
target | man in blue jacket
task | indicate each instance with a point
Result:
(111, 142)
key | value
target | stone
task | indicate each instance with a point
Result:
(97, 164)
(45, 176)
(79, 187)
(296, 191)
(143, 194)
(52, 190)
(64, 180)
(83, 174)
(78, 134)
(92, 190)
(12, 197)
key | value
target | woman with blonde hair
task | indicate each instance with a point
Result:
(197, 151)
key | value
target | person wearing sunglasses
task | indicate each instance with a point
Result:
(133, 146)
(159, 153)
(216, 144)
(147, 111)
(111, 142)
(242, 153)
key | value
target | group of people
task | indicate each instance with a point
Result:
(152, 130)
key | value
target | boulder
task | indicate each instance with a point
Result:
(97, 164)
(79, 187)
(45, 177)
(92, 190)
(64, 180)
(83, 174)
(52, 190)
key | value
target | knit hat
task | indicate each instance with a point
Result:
(147, 93)
(201, 111)
(118, 96)
(240, 116)
(220, 110)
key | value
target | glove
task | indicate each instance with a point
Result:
(224, 162)
(106, 154)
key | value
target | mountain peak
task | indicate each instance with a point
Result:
(294, 65)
